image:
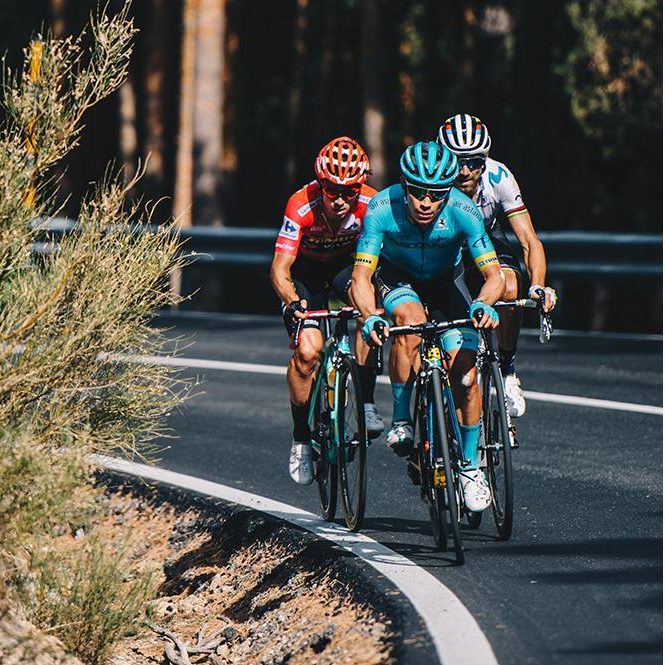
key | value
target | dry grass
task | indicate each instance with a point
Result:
(62, 316)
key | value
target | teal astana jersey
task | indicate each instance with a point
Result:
(422, 251)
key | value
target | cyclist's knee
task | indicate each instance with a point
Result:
(463, 370)
(406, 343)
(306, 355)
(409, 314)
(512, 288)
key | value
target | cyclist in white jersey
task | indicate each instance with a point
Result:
(493, 188)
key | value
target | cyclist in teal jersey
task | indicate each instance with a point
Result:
(411, 245)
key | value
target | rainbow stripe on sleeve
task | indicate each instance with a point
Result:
(516, 211)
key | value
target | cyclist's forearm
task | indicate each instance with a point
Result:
(492, 289)
(362, 292)
(535, 261)
(534, 252)
(283, 284)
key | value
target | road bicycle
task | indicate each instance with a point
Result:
(336, 419)
(438, 451)
(498, 435)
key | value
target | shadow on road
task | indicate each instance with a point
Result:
(628, 548)
(397, 525)
(614, 648)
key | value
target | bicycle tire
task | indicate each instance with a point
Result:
(498, 451)
(446, 500)
(326, 469)
(423, 441)
(352, 443)
(474, 520)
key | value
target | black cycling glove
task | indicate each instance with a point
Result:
(292, 308)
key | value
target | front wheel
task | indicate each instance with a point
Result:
(324, 467)
(352, 443)
(444, 485)
(497, 450)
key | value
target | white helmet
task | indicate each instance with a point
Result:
(465, 135)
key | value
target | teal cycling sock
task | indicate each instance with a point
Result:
(470, 435)
(402, 401)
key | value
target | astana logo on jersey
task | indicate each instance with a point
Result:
(495, 178)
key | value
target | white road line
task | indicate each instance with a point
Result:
(456, 634)
(593, 402)
(572, 400)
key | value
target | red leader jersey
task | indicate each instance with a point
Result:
(306, 232)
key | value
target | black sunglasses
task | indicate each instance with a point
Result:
(472, 163)
(420, 192)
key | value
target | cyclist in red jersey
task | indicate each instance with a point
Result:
(314, 258)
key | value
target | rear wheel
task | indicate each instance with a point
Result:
(497, 450)
(352, 449)
(325, 467)
(444, 482)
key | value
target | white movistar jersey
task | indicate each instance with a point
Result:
(498, 190)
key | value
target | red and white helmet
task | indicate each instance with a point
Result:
(342, 161)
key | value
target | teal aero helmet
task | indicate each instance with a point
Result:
(429, 164)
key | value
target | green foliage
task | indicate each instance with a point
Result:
(613, 73)
(88, 597)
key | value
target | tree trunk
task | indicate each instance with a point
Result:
(295, 97)
(153, 126)
(58, 17)
(182, 200)
(208, 112)
(373, 114)
(467, 72)
(128, 137)
(182, 203)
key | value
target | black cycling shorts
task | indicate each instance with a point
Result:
(316, 281)
(507, 259)
(446, 296)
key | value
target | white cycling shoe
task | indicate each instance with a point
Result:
(301, 467)
(373, 421)
(514, 396)
(477, 495)
(400, 438)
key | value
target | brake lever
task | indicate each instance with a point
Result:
(378, 329)
(546, 325)
(296, 335)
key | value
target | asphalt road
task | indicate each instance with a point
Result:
(581, 579)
